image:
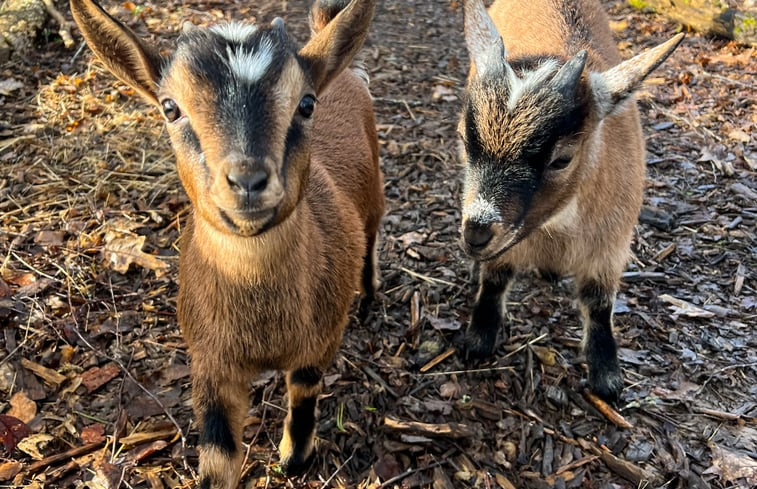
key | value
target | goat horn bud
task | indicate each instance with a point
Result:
(566, 80)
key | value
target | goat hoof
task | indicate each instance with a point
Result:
(479, 346)
(607, 384)
(296, 464)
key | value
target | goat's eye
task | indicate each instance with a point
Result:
(307, 106)
(170, 109)
(560, 163)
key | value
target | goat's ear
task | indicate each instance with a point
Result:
(126, 56)
(333, 48)
(615, 85)
(485, 46)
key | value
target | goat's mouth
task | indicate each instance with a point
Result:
(244, 222)
(501, 241)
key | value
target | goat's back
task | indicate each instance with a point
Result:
(345, 144)
(556, 27)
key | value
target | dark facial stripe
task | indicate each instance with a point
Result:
(216, 431)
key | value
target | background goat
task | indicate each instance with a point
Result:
(554, 162)
(283, 175)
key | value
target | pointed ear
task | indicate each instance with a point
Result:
(615, 85)
(126, 56)
(485, 46)
(333, 48)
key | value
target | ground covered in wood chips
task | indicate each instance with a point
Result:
(93, 369)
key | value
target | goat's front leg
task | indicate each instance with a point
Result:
(220, 405)
(605, 378)
(297, 445)
(488, 311)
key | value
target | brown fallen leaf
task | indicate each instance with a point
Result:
(121, 250)
(12, 430)
(93, 433)
(96, 377)
(733, 465)
(8, 470)
(547, 356)
(50, 238)
(31, 444)
(22, 407)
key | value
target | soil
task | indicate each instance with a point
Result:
(93, 367)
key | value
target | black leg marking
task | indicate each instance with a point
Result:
(308, 376)
(216, 431)
(368, 280)
(605, 377)
(486, 318)
(205, 483)
(301, 427)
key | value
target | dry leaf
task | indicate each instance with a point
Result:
(733, 465)
(547, 356)
(12, 430)
(8, 470)
(9, 85)
(32, 444)
(22, 407)
(93, 433)
(682, 308)
(121, 250)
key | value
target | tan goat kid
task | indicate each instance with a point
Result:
(278, 152)
(554, 162)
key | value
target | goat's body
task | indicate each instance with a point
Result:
(246, 298)
(555, 162)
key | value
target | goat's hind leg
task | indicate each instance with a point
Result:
(488, 311)
(297, 445)
(605, 377)
(369, 278)
(220, 406)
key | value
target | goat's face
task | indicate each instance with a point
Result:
(521, 139)
(238, 100)
(239, 104)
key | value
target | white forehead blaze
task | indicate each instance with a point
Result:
(235, 31)
(251, 64)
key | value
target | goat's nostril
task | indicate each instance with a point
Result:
(477, 235)
(248, 182)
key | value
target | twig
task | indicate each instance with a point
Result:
(426, 278)
(71, 453)
(438, 359)
(409, 472)
(607, 410)
(338, 469)
(372, 374)
(451, 430)
(65, 29)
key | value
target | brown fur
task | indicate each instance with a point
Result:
(280, 299)
(579, 220)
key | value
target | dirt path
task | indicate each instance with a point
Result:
(87, 179)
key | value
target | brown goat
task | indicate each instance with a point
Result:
(277, 149)
(554, 162)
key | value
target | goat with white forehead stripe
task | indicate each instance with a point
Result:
(286, 202)
(551, 182)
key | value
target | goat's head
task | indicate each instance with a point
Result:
(239, 100)
(529, 130)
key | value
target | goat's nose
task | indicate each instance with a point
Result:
(477, 235)
(246, 181)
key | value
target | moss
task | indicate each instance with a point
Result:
(746, 24)
(640, 4)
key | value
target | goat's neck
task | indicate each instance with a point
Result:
(255, 258)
